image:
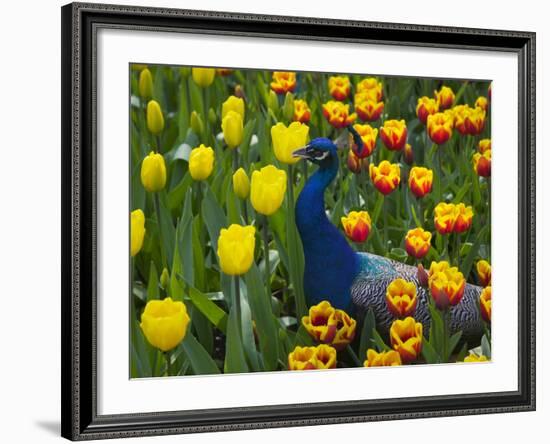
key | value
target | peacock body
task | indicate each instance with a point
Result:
(355, 281)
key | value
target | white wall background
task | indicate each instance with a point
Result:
(30, 219)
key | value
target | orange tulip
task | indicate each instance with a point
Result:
(426, 107)
(302, 113)
(485, 304)
(339, 87)
(420, 181)
(385, 177)
(357, 225)
(406, 338)
(482, 163)
(418, 242)
(337, 114)
(368, 136)
(367, 108)
(445, 97)
(440, 127)
(401, 298)
(394, 134)
(283, 82)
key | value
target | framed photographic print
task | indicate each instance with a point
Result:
(258, 208)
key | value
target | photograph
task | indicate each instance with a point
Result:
(295, 220)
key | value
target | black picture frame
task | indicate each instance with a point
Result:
(79, 170)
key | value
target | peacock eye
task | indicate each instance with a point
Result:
(319, 154)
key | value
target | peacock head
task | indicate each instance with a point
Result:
(321, 151)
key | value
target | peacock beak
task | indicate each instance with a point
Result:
(303, 153)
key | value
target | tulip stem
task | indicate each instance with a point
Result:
(290, 190)
(420, 211)
(305, 170)
(167, 357)
(161, 240)
(354, 357)
(385, 211)
(439, 173)
(237, 303)
(235, 159)
(245, 212)
(457, 248)
(445, 344)
(266, 254)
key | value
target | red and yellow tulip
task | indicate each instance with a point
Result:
(482, 102)
(372, 87)
(420, 181)
(483, 269)
(394, 134)
(484, 145)
(418, 242)
(312, 358)
(445, 97)
(401, 298)
(328, 325)
(425, 107)
(485, 304)
(445, 217)
(302, 113)
(446, 284)
(383, 359)
(339, 87)
(356, 164)
(283, 82)
(385, 177)
(464, 216)
(367, 108)
(368, 136)
(406, 338)
(357, 225)
(482, 163)
(440, 127)
(337, 114)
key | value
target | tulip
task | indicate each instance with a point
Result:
(153, 172)
(406, 338)
(267, 189)
(475, 121)
(236, 249)
(385, 177)
(460, 112)
(223, 71)
(447, 287)
(337, 114)
(203, 77)
(302, 113)
(137, 231)
(233, 103)
(339, 87)
(464, 216)
(482, 102)
(355, 164)
(472, 357)
(164, 323)
(241, 184)
(440, 127)
(382, 359)
(145, 85)
(372, 87)
(445, 97)
(445, 217)
(239, 91)
(329, 325)
(408, 154)
(482, 163)
(484, 145)
(201, 162)
(401, 298)
(321, 322)
(155, 119)
(368, 137)
(394, 134)
(485, 304)
(438, 267)
(368, 109)
(420, 181)
(164, 279)
(233, 129)
(484, 272)
(422, 276)
(357, 225)
(283, 82)
(425, 107)
(286, 140)
(310, 358)
(418, 242)
(196, 123)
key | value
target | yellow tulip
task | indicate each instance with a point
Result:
(383, 359)
(203, 77)
(153, 172)
(267, 189)
(164, 323)
(236, 249)
(137, 231)
(241, 183)
(145, 85)
(475, 358)
(155, 119)
(232, 127)
(287, 140)
(233, 103)
(201, 162)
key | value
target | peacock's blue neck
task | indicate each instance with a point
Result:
(331, 265)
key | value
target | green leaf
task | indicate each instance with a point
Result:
(436, 329)
(467, 263)
(141, 353)
(177, 194)
(235, 361)
(263, 316)
(176, 288)
(453, 342)
(369, 324)
(167, 227)
(213, 313)
(377, 207)
(200, 360)
(303, 338)
(214, 217)
(462, 353)
(185, 239)
(153, 284)
(247, 331)
(378, 341)
(429, 353)
(486, 346)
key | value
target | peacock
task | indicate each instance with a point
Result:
(357, 281)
